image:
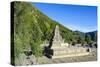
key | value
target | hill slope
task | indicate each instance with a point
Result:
(93, 35)
(32, 28)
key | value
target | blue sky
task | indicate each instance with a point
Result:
(74, 17)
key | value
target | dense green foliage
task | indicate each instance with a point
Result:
(32, 28)
(87, 38)
(25, 29)
(93, 35)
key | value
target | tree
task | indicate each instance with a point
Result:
(87, 38)
(36, 49)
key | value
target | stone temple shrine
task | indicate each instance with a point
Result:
(61, 49)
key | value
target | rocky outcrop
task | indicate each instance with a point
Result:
(25, 58)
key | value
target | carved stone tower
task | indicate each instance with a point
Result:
(57, 39)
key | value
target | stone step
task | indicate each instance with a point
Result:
(58, 46)
(64, 53)
(70, 55)
(69, 51)
(66, 48)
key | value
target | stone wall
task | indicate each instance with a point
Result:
(70, 52)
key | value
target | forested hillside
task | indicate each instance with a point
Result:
(32, 28)
(93, 35)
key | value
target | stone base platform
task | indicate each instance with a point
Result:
(69, 52)
(70, 55)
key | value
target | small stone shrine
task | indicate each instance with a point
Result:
(61, 49)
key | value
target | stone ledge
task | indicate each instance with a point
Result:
(70, 55)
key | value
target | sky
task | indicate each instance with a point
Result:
(75, 17)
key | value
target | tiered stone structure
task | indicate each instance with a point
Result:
(57, 39)
(61, 49)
